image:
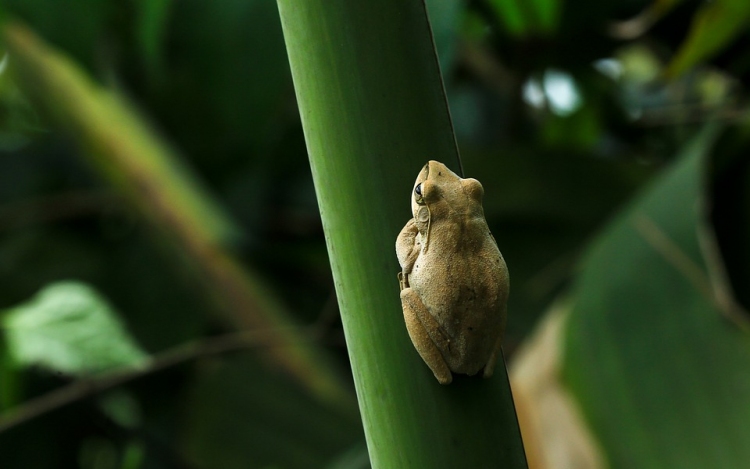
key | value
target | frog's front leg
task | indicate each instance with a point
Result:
(423, 330)
(407, 250)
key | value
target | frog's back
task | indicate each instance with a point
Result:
(468, 280)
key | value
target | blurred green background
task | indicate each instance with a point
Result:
(564, 110)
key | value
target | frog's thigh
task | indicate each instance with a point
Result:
(496, 352)
(413, 310)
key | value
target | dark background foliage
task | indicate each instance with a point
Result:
(212, 79)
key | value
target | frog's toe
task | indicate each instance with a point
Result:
(444, 378)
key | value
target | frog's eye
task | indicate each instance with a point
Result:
(418, 198)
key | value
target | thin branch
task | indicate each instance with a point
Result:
(673, 253)
(84, 388)
(676, 257)
(487, 68)
(690, 114)
(635, 27)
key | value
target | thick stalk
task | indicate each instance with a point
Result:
(373, 110)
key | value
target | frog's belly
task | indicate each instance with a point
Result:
(464, 298)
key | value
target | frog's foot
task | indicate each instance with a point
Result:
(489, 368)
(414, 310)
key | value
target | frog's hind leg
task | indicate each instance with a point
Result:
(420, 326)
(497, 352)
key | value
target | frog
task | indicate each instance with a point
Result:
(454, 281)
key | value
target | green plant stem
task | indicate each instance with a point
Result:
(374, 111)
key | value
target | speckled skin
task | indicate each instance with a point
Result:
(454, 281)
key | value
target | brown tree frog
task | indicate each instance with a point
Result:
(454, 281)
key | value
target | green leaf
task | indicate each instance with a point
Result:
(714, 27)
(150, 26)
(511, 15)
(547, 14)
(659, 370)
(526, 18)
(69, 328)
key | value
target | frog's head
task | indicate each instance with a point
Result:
(439, 193)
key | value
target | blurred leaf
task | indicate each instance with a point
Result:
(554, 432)
(9, 388)
(97, 452)
(444, 20)
(658, 369)
(715, 26)
(511, 15)
(527, 18)
(637, 26)
(133, 457)
(474, 26)
(579, 130)
(122, 408)
(76, 26)
(543, 218)
(547, 14)
(661, 7)
(151, 22)
(117, 138)
(69, 328)
(18, 118)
